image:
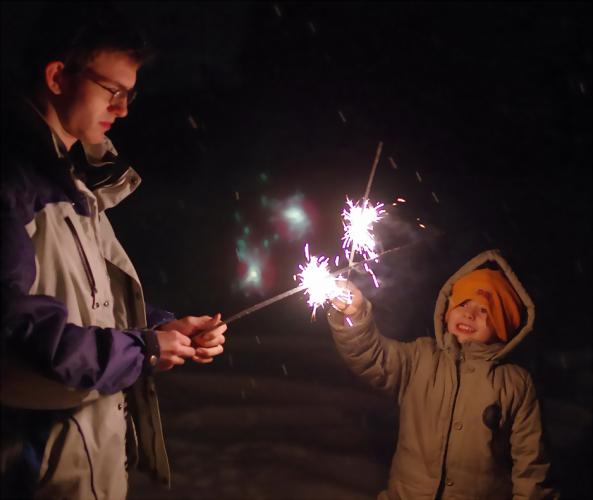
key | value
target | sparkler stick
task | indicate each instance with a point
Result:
(365, 199)
(299, 288)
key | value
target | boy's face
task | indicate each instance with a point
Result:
(469, 323)
(86, 108)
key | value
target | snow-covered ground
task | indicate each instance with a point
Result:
(278, 416)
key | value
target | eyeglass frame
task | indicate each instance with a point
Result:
(116, 95)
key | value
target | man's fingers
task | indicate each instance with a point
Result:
(185, 351)
(177, 360)
(209, 352)
(200, 341)
(182, 339)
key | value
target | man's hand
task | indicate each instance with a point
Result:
(174, 348)
(206, 334)
(355, 309)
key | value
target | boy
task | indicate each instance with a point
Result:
(469, 424)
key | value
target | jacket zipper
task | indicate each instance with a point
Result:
(85, 263)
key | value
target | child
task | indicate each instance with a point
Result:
(469, 423)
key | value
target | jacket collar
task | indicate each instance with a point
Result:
(471, 350)
(107, 175)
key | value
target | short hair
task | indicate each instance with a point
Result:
(75, 33)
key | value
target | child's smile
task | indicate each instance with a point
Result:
(469, 323)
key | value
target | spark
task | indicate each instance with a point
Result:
(393, 164)
(192, 122)
(358, 223)
(318, 283)
(349, 321)
(436, 198)
(312, 27)
(284, 369)
(257, 340)
(337, 260)
(278, 11)
(418, 176)
(342, 116)
(370, 271)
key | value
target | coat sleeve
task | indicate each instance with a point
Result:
(384, 363)
(531, 465)
(156, 317)
(35, 327)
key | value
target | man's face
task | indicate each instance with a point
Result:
(86, 109)
(469, 323)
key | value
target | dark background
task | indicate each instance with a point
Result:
(484, 111)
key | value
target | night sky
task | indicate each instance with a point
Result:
(484, 111)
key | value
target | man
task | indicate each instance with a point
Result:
(79, 345)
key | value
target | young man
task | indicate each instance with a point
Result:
(79, 344)
(469, 421)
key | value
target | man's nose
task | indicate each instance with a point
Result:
(120, 108)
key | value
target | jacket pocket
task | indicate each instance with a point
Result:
(85, 263)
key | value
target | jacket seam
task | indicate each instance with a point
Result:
(88, 455)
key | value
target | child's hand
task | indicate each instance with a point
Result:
(355, 309)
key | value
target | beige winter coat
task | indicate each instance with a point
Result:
(85, 454)
(469, 423)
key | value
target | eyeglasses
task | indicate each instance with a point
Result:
(117, 96)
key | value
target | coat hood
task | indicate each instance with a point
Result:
(489, 259)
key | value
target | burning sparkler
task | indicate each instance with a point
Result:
(358, 222)
(317, 281)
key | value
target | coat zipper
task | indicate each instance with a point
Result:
(85, 263)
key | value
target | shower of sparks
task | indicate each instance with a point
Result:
(318, 283)
(358, 223)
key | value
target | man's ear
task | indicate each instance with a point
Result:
(54, 77)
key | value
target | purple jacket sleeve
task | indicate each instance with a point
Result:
(35, 327)
(156, 317)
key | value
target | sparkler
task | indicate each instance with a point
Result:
(319, 283)
(299, 288)
(361, 231)
(358, 228)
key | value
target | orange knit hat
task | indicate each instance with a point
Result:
(492, 290)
